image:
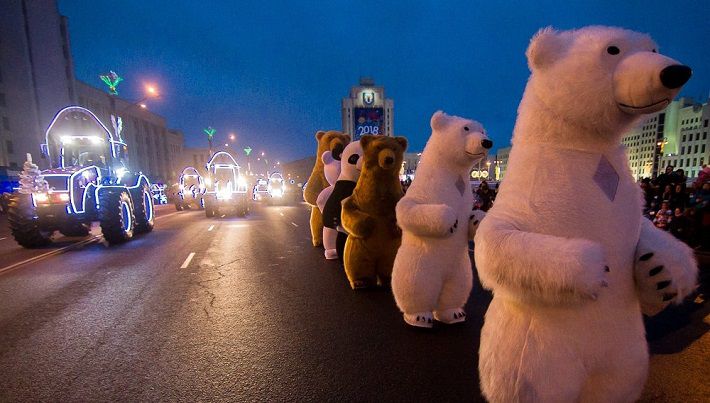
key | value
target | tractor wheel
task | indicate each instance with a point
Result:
(116, 216)
(143, 210)
(210, 208)
(24, 223)
(178, 206)
(75, 229)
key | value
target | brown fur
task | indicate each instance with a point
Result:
(369, 213)
(327, 141)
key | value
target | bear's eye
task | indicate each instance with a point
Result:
(353, 159)
(654, 51)
(612, 50)
(465, 128)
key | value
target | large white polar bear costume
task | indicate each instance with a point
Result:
(432, 275)
(569, 258)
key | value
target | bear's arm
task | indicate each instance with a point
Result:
(427, 220)
(533, 266)
(356, 222)
(323, 197)
(313, 187)
(665, 269)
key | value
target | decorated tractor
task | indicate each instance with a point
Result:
(226, 188)
(261, 190)
(159, 195)
(87, 181)
(191, 190)
(277, 189)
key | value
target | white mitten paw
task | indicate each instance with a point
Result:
(593, 270)
(663, 277)
(474, 221)
(445, 220)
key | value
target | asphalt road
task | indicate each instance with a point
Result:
(256, 314)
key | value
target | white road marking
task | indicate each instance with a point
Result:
(188, 260)
(167, 215)
(210, 228)
(282, 214)
(294, 224)
(223, 215)
(50, 253)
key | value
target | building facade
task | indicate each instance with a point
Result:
(367, 111)
(500, 164)
(676, 136)
(144, 132)
(36, 76)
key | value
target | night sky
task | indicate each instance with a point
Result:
(275, 72)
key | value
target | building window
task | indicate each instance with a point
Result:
(680, 163)
(702, 149)
(695, 161)
(682, 150)
(687, 162)
(696, 149)
(5, 123)
(10, 148)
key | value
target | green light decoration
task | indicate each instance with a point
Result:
(247, 151)
(210, 132)
(111, 80)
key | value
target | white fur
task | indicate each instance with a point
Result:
(432, 270)
(331, 169)
(560, 328)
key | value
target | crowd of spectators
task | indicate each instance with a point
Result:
(680, 207)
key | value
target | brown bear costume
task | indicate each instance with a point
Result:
(369, 213)
(333, 141)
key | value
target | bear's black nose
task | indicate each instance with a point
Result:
(676, 75)
(487, 144)
(389, 160)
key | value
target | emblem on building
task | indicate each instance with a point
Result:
(368, 97)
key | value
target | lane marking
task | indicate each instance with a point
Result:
(282, 214)
(294, 224)
(167, 215)
(50, 253)
(188, 260)
(3, 238)
(210, 228)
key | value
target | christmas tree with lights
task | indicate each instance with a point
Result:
(31, 179)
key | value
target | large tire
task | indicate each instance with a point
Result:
(143, 209)
(24, 223)
(116, 215)
(75, 229)
(210, 207)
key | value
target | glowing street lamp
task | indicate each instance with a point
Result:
(232, 137)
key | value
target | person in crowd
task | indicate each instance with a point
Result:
(680, 225)
(665, 178)
(667, 193)
(679, 198)
(486, 196)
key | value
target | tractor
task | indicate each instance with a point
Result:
(226, 189)
(276, 188)
(191, 190)
(87, 181)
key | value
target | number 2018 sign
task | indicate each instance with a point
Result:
(368, 121)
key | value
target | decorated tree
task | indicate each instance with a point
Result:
(31, 179)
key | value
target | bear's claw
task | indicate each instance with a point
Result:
(450, 316)
(420, 319)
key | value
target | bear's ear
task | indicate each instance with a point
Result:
(319, 134)
(438, 120)
(545, 47)
(350, 138)
(327, 157)
(365, 140)
(402, 142)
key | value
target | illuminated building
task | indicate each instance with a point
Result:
(501, 162)
(367, 111)
(676, 136)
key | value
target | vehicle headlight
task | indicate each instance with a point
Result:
(208, 181)
(241, 182)
(276, 193)
(40, 197)
(64, 197)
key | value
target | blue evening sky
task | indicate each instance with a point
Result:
(274, 72)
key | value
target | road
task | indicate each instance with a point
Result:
(245, 309)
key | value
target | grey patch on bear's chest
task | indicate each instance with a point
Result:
(606, 178)
(460, 185)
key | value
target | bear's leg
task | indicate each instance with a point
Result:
(416, 284)
(522, 361)
(340, 245)
(622, 379)
(386, 262)
(329, 243)
(359, 264)
(316, 226)
(455, 291)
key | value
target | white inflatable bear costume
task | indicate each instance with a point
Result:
(570, 261)
(432, 275)
(331, 169)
